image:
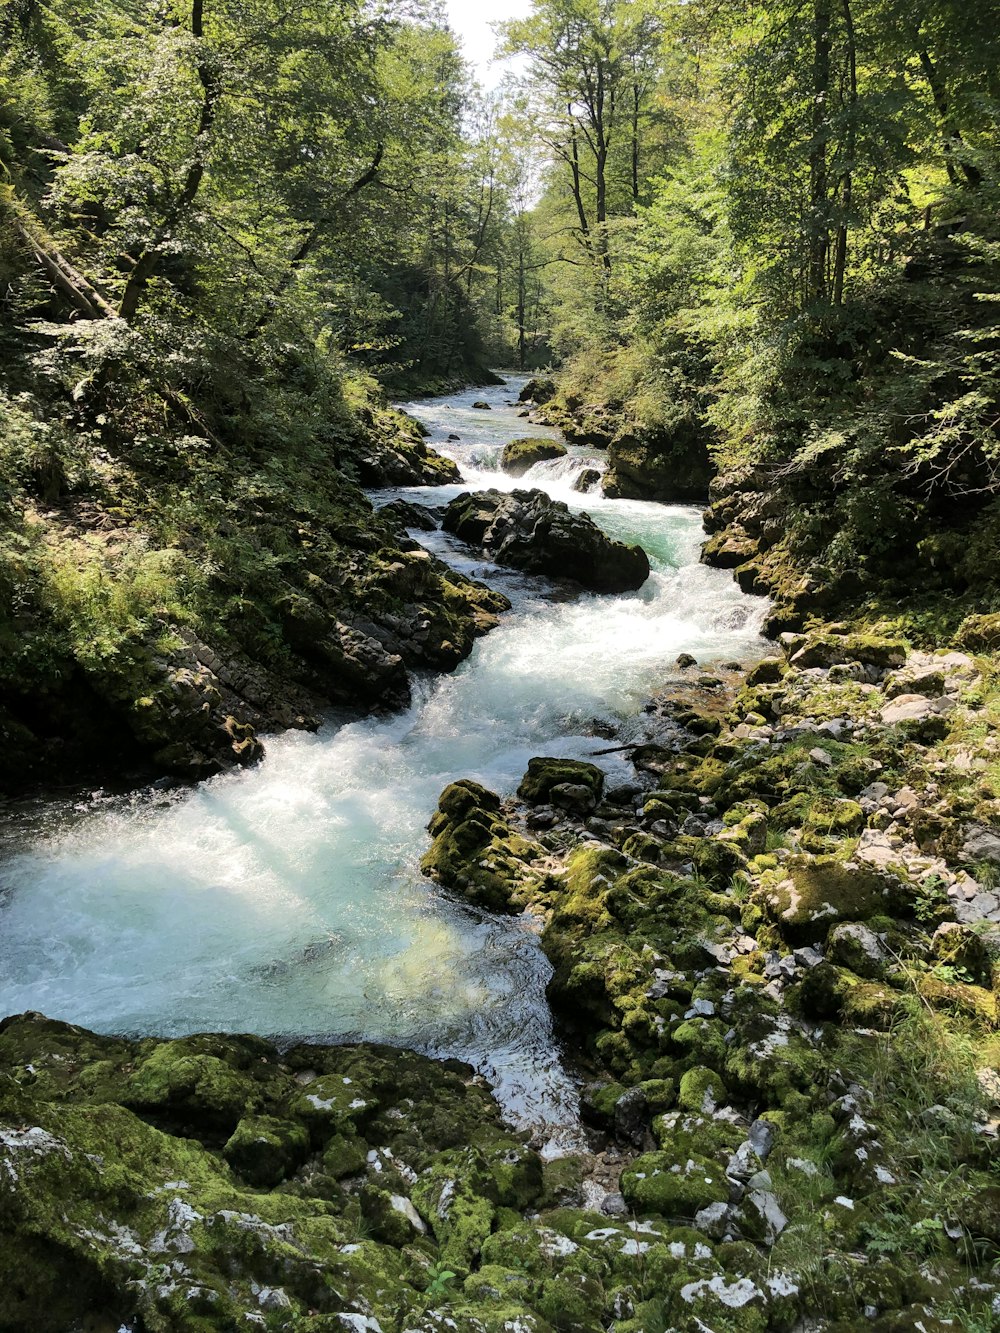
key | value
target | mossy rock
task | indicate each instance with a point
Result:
(520, 455)
(477, 854)
(826, 650)
(817, 892)
(457, 1198)
(701, 1090)
(544, 774)
(190, 1087)
(673, 1185)
(264, 1150)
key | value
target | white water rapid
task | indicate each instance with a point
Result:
(287, 900)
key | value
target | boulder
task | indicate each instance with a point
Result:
(587, 479)
(528, 531)
(674, 1184)
(520, 455)
(537, 390)
(545, 776)
(668, 464)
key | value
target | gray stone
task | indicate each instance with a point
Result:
(807, 956)
(981, 843)
(713, 1220)
(907, 708)
(854, 945)
(762, 1138)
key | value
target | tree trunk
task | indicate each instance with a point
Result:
(149, 260)
(818, 231)
(954, 144)
(847, 177)
(635, 145)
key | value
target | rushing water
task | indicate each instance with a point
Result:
(288, 901)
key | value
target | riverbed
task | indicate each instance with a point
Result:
(287, 900)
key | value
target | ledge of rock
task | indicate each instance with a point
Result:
(528, 531)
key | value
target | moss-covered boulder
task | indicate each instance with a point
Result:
(520, 455)
(668, 463)
(814, 893)
(264, 1150)
(675, 1185)
(545, 774)
(476, 853)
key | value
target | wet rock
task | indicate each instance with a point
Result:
(477, 854)
(521, 455)
(411, 515)
(481, 405)
(528, 531)
(587, 479)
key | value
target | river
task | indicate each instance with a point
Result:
(287, 900)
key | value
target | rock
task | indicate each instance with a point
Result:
(410, 515)
(265, 1150)
(762, 1138)
(854, 945)
(538, 390)
(586, 479)
(528, 531)
(575, 797)
(674, 1185)
(520, 455)
(547, 775)
(476, 853)
(481, 405)
(632, 1117)
(713, 1220)
(906, 708)
(981, 843)
(669, 463)
(685, 660)
(820, 891)
(701, 1091)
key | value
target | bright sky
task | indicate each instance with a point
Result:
(471, 19)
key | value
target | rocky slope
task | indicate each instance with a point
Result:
(167, 609)
(776, 958)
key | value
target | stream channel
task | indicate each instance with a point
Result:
(287, 900)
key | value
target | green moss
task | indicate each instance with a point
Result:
(701, 1090)
(520, 455)
(673, 1185)
(543, 774)
(264, 1150)
(477, 854)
